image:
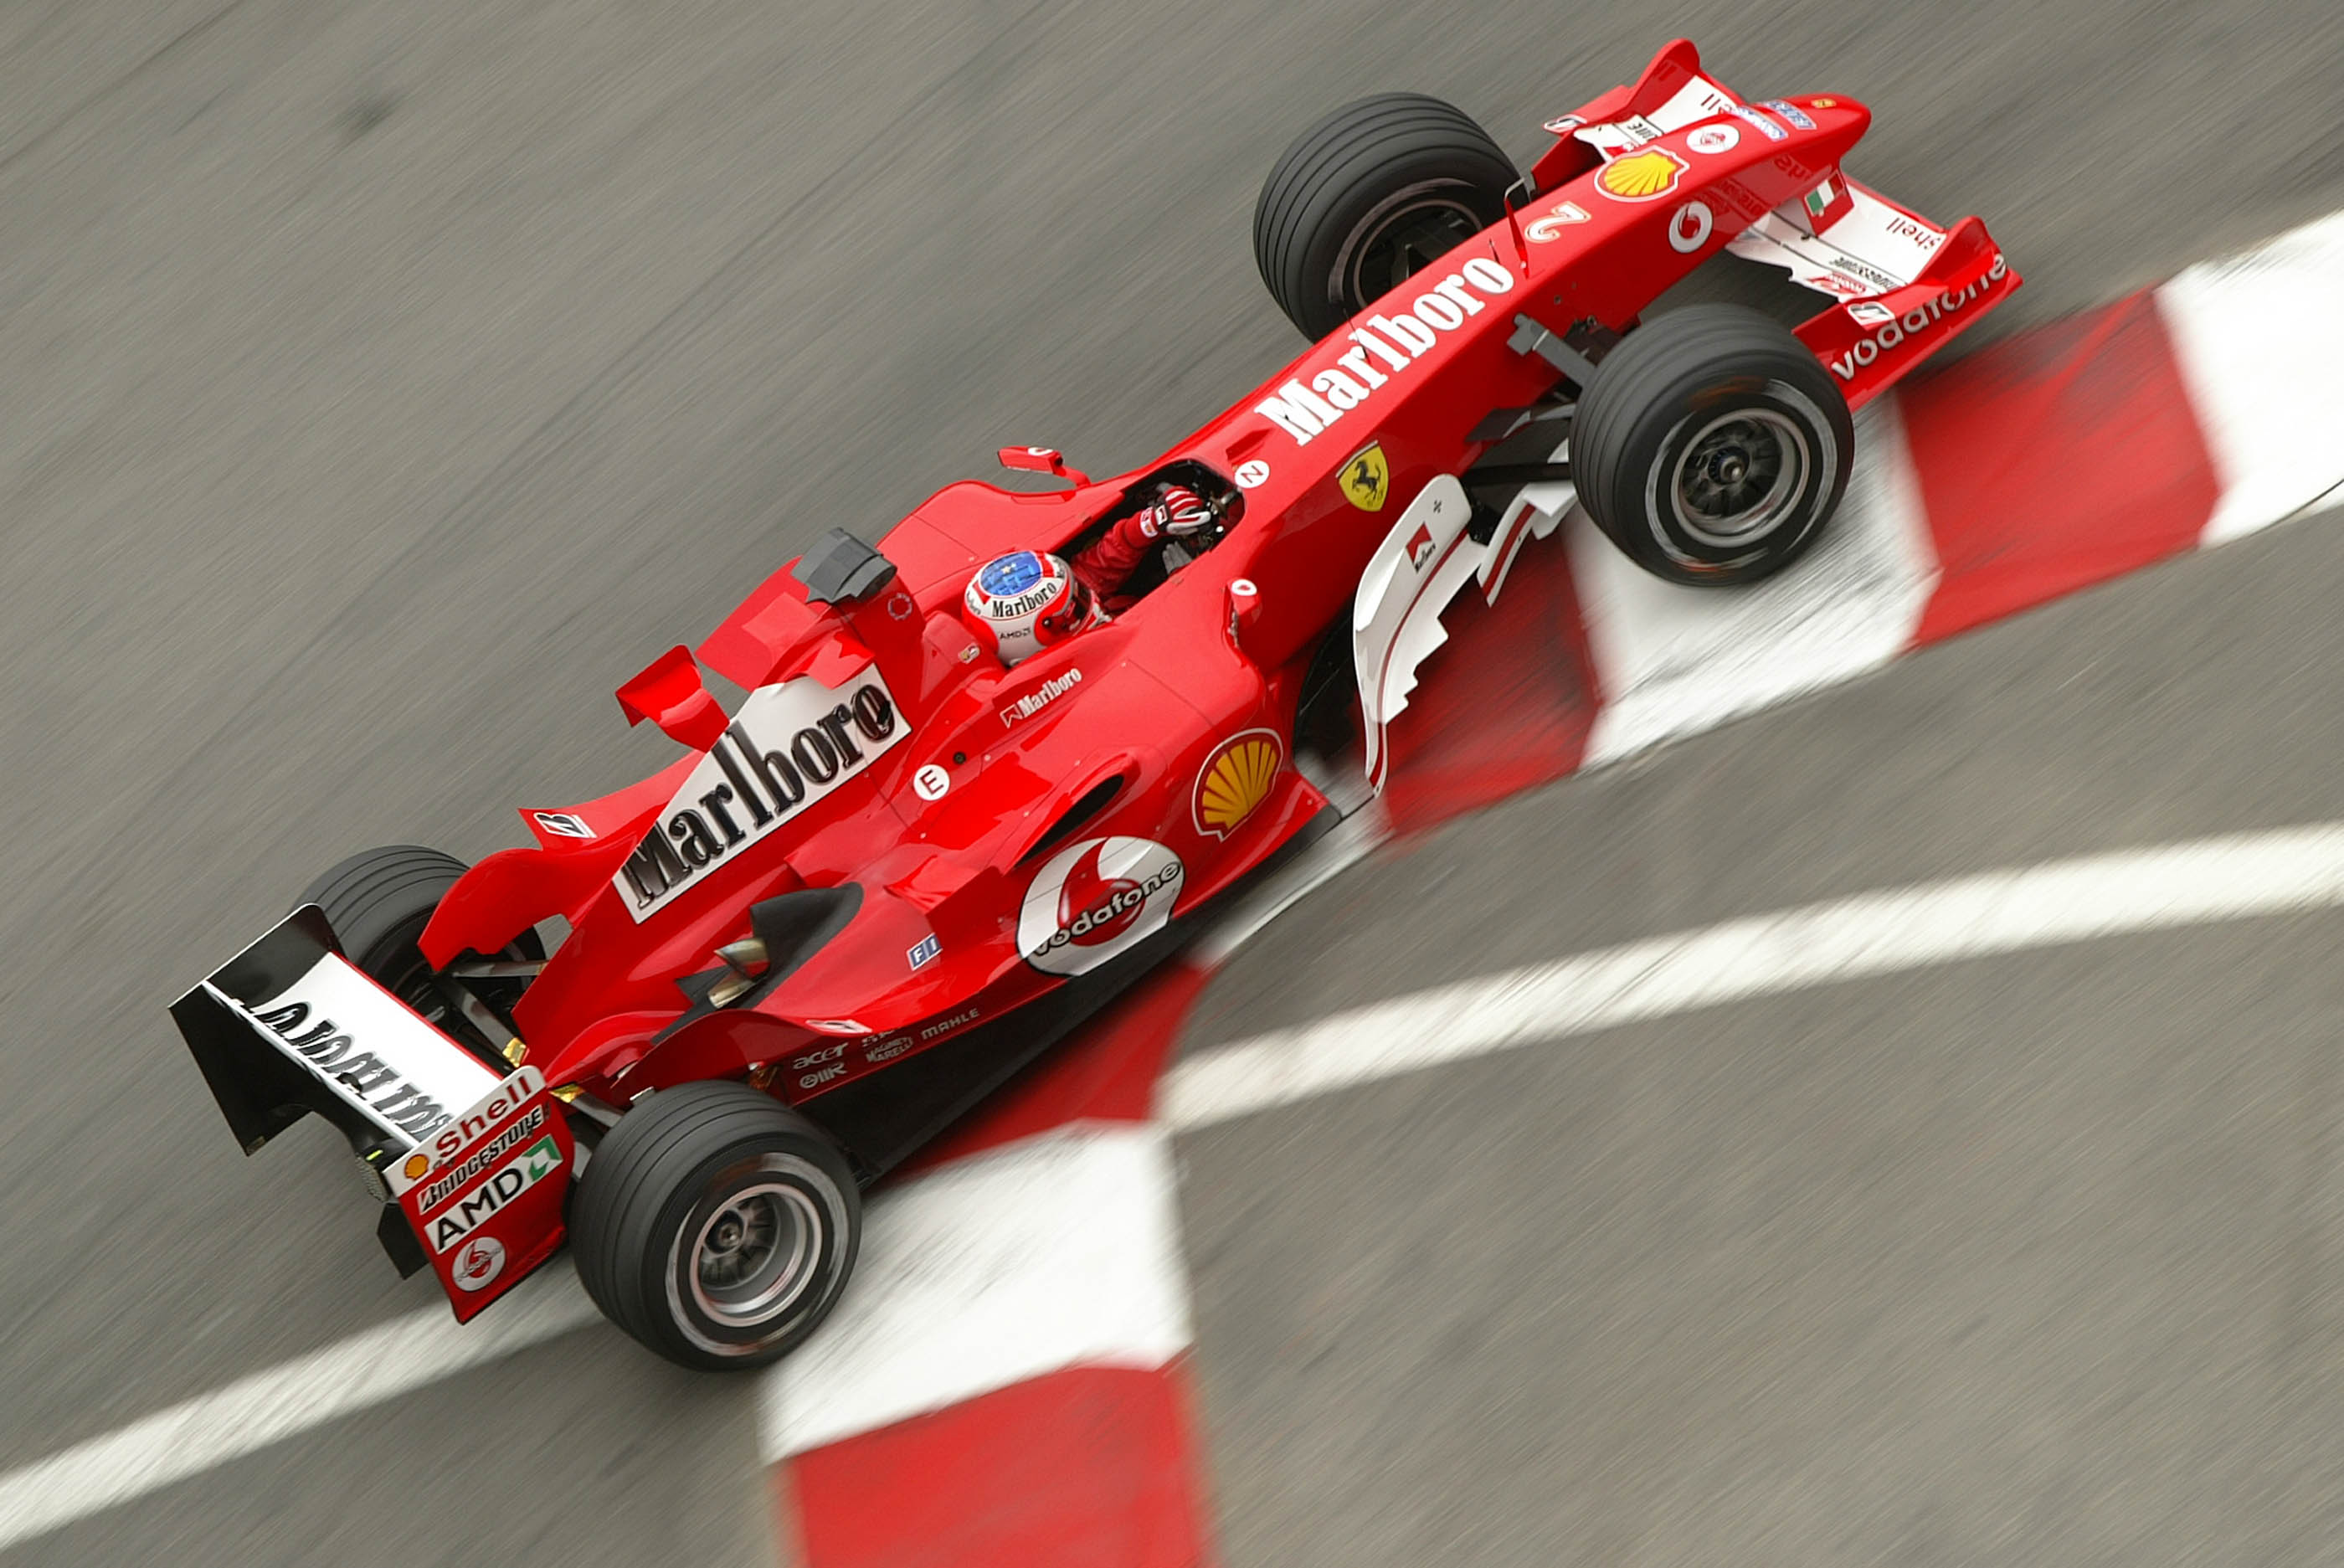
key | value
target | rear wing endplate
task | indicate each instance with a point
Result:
(289, 1027)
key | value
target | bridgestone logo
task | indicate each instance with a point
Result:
(1383, 347)
(743, 789)
(481, 1159)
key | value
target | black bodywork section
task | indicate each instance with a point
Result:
(259, 1092)
(840, 569)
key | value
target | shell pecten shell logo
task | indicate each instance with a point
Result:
(1643, 176)
(1236, 779)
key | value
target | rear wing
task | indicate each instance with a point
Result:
(473, 1164)
(289, 1027)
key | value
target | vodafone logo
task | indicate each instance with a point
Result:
(1689, 228)
(1096, 899)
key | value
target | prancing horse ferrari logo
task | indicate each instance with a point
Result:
(1366, 478)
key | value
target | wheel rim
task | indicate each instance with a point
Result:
(1398, 238)
(1740, 477)
(755, 1254)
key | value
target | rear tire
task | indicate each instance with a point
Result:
(378, 902)
(1366, 196)
(1710, 447)
(716, 1226)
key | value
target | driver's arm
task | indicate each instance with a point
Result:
(1109, 565)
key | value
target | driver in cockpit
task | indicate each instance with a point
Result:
(1020, 603)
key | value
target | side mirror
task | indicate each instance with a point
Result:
(1042, 460)
(670, 695)
(1244, 608)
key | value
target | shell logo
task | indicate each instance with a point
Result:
(1236, 779)
(1643, 176)
(418, 1165)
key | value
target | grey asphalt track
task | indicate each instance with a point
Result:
(380, 384)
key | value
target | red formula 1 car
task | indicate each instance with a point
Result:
(903, 865)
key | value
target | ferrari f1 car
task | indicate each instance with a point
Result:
(899, 869)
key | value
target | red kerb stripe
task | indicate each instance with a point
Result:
(2056, 460)
(1087, 1468)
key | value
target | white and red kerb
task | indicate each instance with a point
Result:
(1004, 1382)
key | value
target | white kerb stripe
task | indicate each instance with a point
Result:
(1057, 1251)
(1672, 660)
(1873, 934)
(286, 1400)
(2260, 338)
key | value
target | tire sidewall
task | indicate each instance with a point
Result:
(669, 1259)
(1349, 228)
(1668, 431)
(1347, 176)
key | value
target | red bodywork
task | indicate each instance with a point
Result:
(1186, 704)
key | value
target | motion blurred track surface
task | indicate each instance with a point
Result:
(380, 384)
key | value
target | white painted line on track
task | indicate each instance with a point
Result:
(937, 1319)
(1059, 1250)
(357, 1374)
(1873, 934)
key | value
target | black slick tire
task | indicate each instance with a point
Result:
(716, 1226)
(1710, 447)
(378, 902)
(1368, 195)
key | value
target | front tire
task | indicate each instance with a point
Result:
(1710, 447)
(1369, 196)
(716, 1226)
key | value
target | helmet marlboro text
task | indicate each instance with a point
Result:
(1020, 603)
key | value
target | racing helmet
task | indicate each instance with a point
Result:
(1020, 603)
